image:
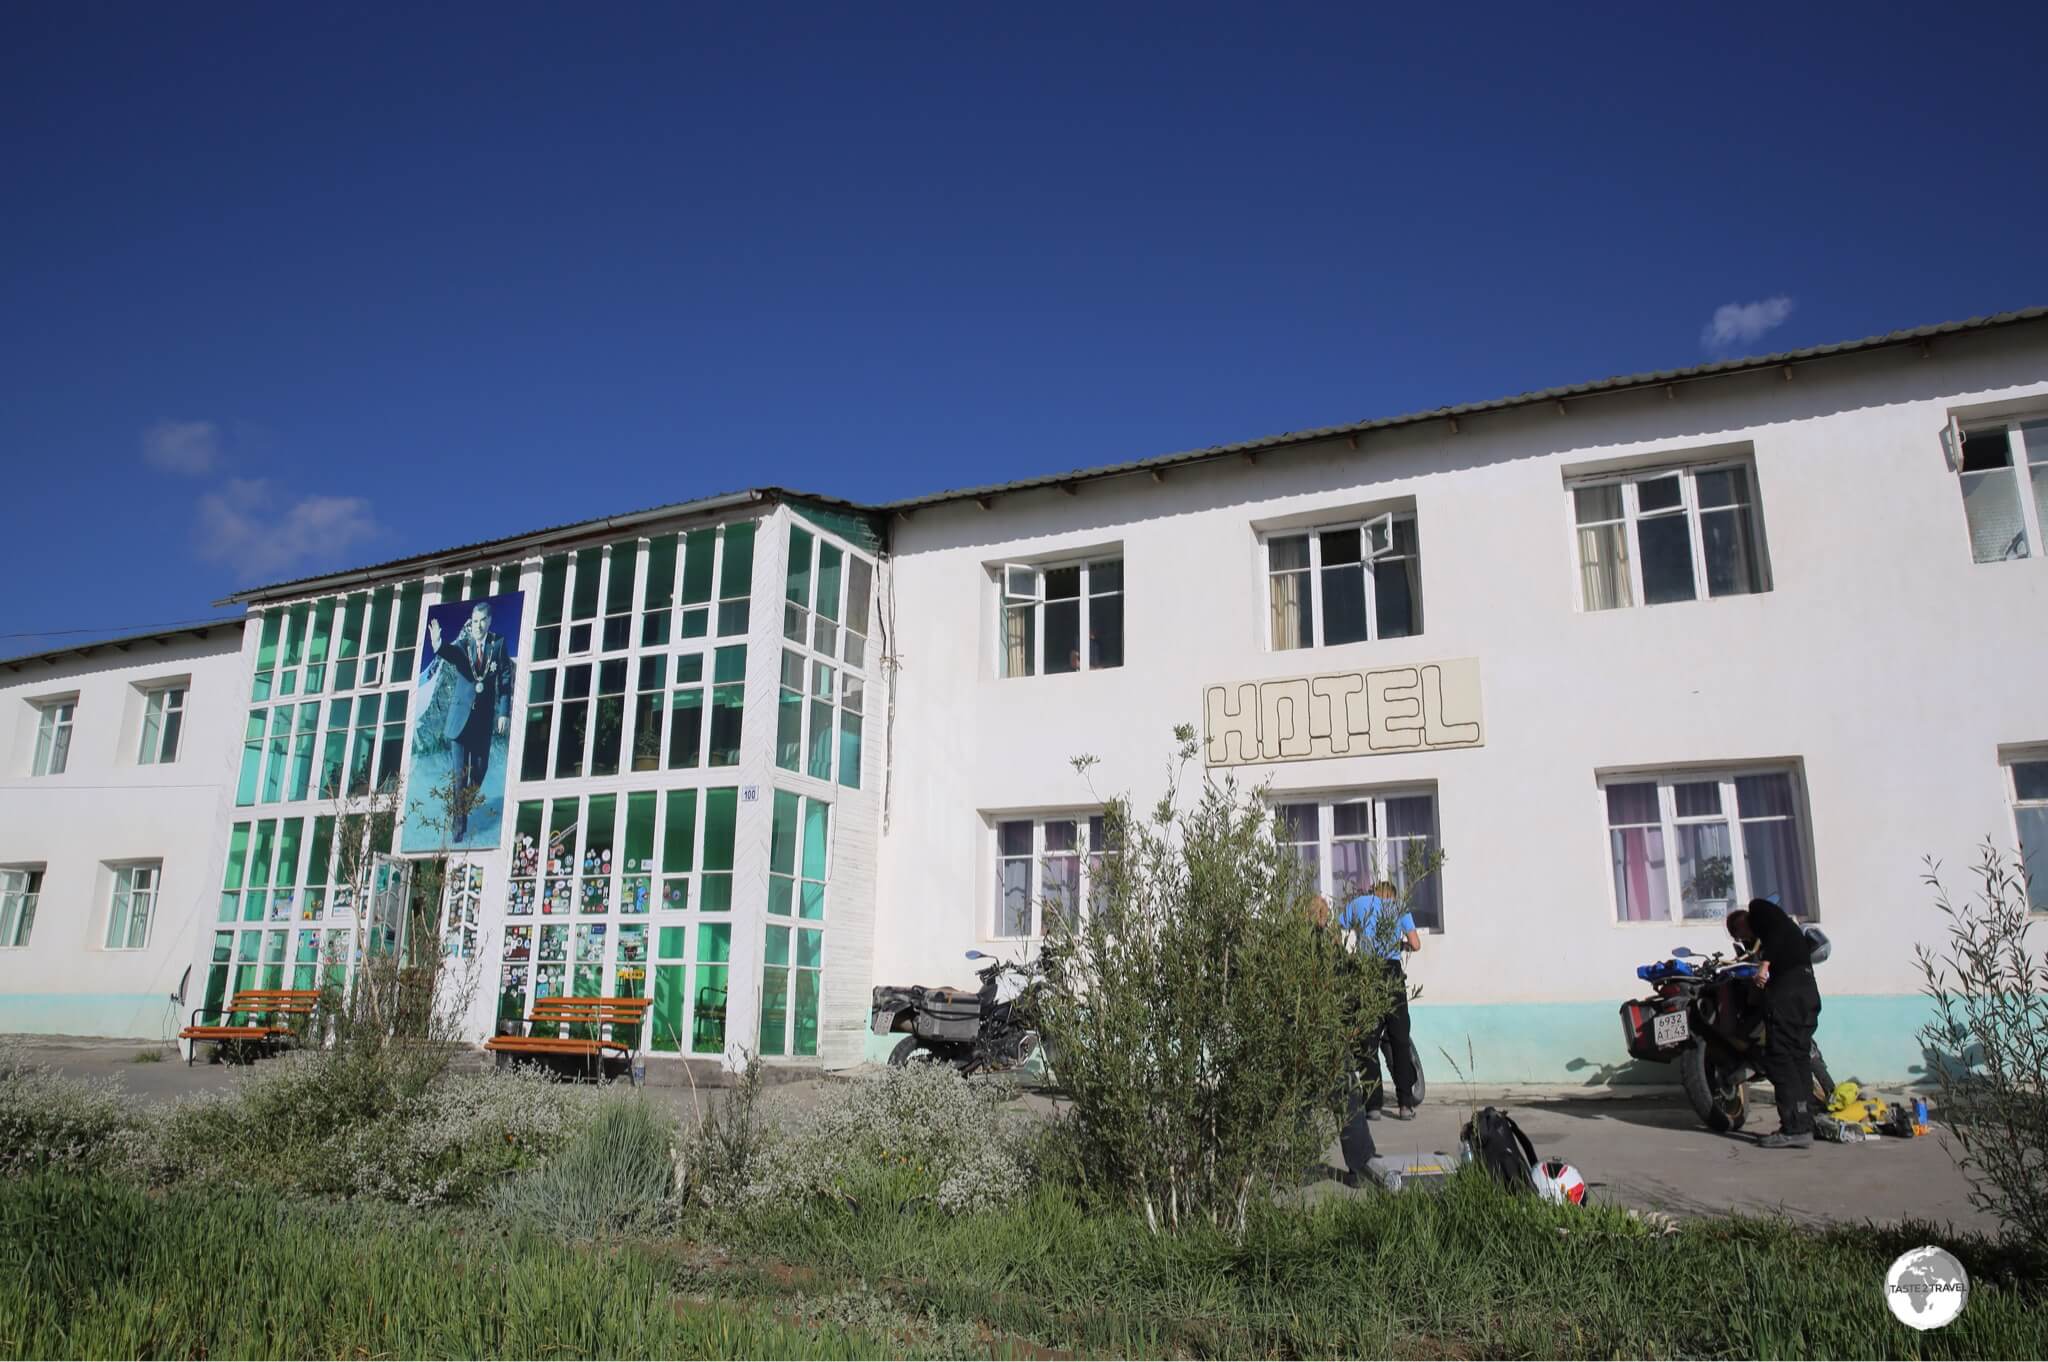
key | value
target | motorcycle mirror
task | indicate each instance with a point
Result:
(976, 955)
(1682, 953)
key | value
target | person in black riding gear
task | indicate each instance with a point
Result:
(1791, 1011)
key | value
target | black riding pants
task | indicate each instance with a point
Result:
(1791, 1011)
(1393, 1034)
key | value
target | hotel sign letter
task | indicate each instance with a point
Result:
(1421, 708)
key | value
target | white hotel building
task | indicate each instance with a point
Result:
(1627, 652)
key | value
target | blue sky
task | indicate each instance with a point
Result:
(294, 287)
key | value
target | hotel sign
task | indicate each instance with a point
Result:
(1426, 707)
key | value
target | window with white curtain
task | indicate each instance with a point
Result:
(1691, 846)
(20, 888)
(1344, 583)
(2029, 791)
(133, 906)
(1060, 617)
(1350, 840)
(1673, 534)
(2004, 475)
(1047, 868)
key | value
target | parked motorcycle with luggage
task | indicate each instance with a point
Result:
(1706, 1015)
(974, 1030)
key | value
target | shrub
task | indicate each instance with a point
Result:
(51, 1122)
(921, 1133)
(1201, 1016)
(1990, 1038)
(614, 1174)
(718, 1157)
(340, 1124)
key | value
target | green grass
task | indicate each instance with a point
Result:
(106, 1270)
(99, 1269)
(1467, 1273)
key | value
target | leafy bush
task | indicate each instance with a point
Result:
(1990, 1036)
(1202, 1017)
(48, 1121)
(612, 1175)
(912, 1134)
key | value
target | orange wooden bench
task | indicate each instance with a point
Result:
(543, 1038)
(268, 1011)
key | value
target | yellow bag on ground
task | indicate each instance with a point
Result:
(1847, 1103)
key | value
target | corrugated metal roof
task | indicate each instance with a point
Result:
(490, 549)
(122, 642)
(1656, 378)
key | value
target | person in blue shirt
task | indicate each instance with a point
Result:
(1362, 917)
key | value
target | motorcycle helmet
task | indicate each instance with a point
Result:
(1558, 1181)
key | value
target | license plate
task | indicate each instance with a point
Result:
(1670, 1028)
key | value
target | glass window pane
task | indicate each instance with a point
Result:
(699, 547)
(816, 819)
(2033, 830)
(1723, 487)
(1013, 896)
(1287, 554)
(829, 561)
(797, 584)
(1062, 583)
(1988, 448)
(1344, 618)
(1666, 543)
(1639, 875)
(1592, 505)
(1764, 796)
(1706, 870)
(1397, 597)
(1633, 803)
(2030, 779)
(1991, 504)
(1771, 854)
(1659, 494)
(860, 583)
(1727, 537)
(1603, 567)
(1106, 631)
(1698, 798)
(1411, 816)
(1062, 634)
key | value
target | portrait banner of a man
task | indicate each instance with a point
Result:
(461, 726)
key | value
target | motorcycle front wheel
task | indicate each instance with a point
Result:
(1717, 1096)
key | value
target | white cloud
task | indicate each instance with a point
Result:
(251, 526)
(1744, 323)
(188, 447)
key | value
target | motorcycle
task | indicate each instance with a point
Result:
(973, 1030)
(1706, 1016)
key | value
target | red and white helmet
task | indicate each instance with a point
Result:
(1558, 1181)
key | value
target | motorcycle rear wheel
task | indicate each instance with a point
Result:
(1720, 1105)
(908, 1051)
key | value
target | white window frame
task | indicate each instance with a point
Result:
(160, 698)
(1085, 852)
(1021, 586)
(2028, 470)
(2037, 898)
(1689, 506)
(1740, 892)
(128, 873)
(20, 890)
(1326, 803)
(54, 716)
(1368, 557)
(844, 680)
